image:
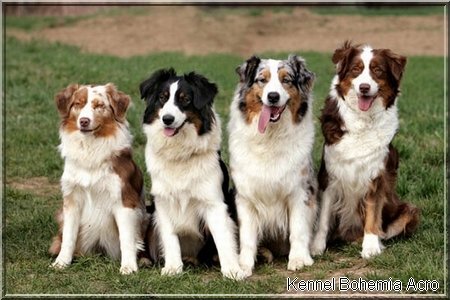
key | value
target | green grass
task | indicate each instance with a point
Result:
(31, 22)
(380, 10)
(38, 22)
(36, 71)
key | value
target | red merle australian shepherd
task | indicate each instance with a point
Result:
(357, 177)
(189, 180)
(104, 209)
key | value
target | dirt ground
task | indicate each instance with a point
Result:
(193, 30)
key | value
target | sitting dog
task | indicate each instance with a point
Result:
(104, 208)
(271, 140)
(182, 156)
(357, 177)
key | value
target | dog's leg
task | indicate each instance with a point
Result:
(223, 231)
(406, 223)
(127, 220)
(170, 244)
(71, 217)
(248, 236)
(319, 243)
(373, 206)
(301, 218)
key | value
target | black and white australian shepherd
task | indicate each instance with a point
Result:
(270, 143)
(104, 209)
(182, 156)
(357, 177)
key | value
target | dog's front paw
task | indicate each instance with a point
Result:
(296, 263)
(371, 251)
(60, 263)
(246, 264)
(128, 269)
(171, 270)
(235, 273)
(371, 246)
(318, 246)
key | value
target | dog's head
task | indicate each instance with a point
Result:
(268, 86)
(176, 100)
(365, 75)
(90, 109)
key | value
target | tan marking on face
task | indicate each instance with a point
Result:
(264, 74)
(195, 119)
(378, 71)
(107, 124)
(354, 69)
(98, 103)
(253, 104)
(79, 98)
(294, 95)
(77, 102)
(104, 118)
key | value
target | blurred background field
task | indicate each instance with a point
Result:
(47, 48)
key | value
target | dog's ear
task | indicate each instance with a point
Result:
(343, 56)
(303, 77)
(150, 86)
(247, 71)
(204, 91)
(119, 101)
(64, 98)
(396, 63)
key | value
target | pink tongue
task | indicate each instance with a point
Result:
(169, 131)
(364, 103)
(264, 118)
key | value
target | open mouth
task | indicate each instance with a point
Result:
(365, 102)
(269, 114)
(169, 131)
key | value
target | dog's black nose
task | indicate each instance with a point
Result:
(364, 88)
(273, 97)
(84, 122)
(168, 119)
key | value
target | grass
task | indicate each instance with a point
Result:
(36, 71)
(34, 23)
(381, 10)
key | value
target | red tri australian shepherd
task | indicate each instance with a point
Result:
(357, 177)
(104, 209)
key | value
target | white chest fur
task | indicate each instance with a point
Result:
(272, 161)
(185, 172)
(267, 168)
(359, 156)
(90, 181)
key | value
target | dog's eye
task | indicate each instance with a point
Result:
(261, 80)
(184, 100)
(99, 106)
(378, 71)
(356, 70)
(162, 98)
(287, 80)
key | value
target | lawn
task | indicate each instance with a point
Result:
(35, 71)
